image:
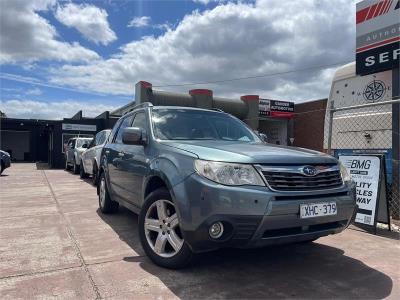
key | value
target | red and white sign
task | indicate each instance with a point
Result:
(274, 108)
(377, 36)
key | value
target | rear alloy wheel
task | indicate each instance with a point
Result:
(160, 232)
(82, 173)
(105, 203)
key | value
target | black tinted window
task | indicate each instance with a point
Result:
(125, 123)
(181, 124)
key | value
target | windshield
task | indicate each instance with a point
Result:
(188, 124)
(81, 142)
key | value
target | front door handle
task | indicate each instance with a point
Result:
(121, 154)
(107, 151)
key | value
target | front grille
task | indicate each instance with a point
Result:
(290, 181)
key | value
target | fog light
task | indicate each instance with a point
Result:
(216, 230)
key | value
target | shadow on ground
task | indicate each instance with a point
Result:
(296, 271)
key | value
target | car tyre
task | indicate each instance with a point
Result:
(95, 174)
(75, 168)
(150, 232)
(82, 173)
(106, 205)
(1, 167)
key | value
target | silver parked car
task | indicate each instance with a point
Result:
(90, 159)
(74, 149)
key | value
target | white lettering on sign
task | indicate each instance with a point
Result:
(382, 57)
(364, 170)
(78, 127)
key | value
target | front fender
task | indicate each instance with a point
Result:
(171, 169)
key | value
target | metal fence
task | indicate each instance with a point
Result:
(363, 129)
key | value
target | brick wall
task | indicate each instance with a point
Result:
(309, 124)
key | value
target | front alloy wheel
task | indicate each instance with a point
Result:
(160, 232)
(162, 228)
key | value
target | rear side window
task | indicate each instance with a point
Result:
(125, 123)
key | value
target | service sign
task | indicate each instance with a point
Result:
(364, 170)
(377, 36)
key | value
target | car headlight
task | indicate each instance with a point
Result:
(228, 173)
(345, 174)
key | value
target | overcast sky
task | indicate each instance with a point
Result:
(58, 57)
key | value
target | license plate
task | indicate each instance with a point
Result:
(313, 210)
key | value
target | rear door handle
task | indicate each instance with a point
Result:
(107, 151)
(121, 154)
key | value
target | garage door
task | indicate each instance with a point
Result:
(17, 143)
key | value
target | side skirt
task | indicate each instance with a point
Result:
(128, 205)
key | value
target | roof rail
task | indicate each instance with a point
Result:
(144, 104)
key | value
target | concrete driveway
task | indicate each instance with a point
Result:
(55, 243)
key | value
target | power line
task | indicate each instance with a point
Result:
(258, 76)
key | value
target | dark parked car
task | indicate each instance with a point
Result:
(201, 180)
(5, 161)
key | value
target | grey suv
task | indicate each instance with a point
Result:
(201, 180)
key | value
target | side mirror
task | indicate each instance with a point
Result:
(85, 146)
(133, 136)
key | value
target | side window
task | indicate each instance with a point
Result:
(98, 138)
(106, 135)
(102, 138)
(92, 143)
(125, 123)
(140, 120)
(71, 144)
(114, 130)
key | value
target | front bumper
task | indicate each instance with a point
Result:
(255, 216)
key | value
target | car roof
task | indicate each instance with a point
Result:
(185, 108)
(216, 110)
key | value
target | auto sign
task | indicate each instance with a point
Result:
(378, 36)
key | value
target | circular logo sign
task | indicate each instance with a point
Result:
(309, 171)
(374, 90)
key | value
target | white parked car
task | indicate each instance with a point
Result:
(90, 159)
(74, 149)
